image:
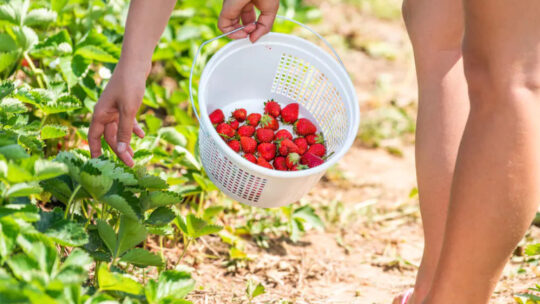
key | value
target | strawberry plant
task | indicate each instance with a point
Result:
(78, 230)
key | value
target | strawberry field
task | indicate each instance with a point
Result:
(79, 230)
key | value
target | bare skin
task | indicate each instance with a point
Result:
(495, 190)
(436, 30)
(114, 113)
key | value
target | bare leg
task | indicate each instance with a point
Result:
(436, 31)
(495, 190)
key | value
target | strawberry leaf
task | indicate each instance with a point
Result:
(130, 234)
(53, 131)
(108, 236)
(115, 281)
(141, 258)
(39, 17)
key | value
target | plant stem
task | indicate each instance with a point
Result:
(34, 70)
(71, 200)
(184, 251)
(201, 204)
(161, 247)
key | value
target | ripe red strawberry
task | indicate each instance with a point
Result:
(315, 139)
(302, 144)
(253, 119)
(289, 114)
(235, 145)
(225, 130)
(217, 117)
(264, 135)
(269, 122)
(317, 149)
(304, 127)
(292, 160)
(240, 114)
(311, 160)
(282, 134)
(249, 145)
(234, 123)
(250, 157)
(267, 150)
(264, 163)
(279, 163)
(273, 108)
(287, 146)
(246, 130)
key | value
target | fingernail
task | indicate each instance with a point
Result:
(121, 147)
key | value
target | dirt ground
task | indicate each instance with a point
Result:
(372, 251)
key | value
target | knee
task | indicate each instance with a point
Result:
(498, 79)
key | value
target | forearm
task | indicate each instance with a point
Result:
(145, 24)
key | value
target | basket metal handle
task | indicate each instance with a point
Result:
(239, 29)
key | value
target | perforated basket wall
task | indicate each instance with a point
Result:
(288, 69)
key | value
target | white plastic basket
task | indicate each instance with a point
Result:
(288, 69)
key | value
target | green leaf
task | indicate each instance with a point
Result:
(58, 5)
(46, 169)
(161, 216)
(74, 269)
(67, 233)
(253, 290)
(96, 185)
(118, 282)
(7, 43)
(163, 198)
(120, 204)
(6, 88)
(18, 174)
(23, 189)
(9, 229)
(53, 131)
(58, 188)
(113, 171)
(108, 236)
(14, 152)
(152, 182)
(173, 284)
(39, 17)
(130, 234)
(8, 60)
(173, 136)
(197, 227)
(12, 106)
(64, 103)
(141, 257)
(307, 214)
(59, 44)
(533, 249)
(93, 52)
(153, 124)
(8, 13)
(25, 37)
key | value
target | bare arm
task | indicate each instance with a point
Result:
(114, 114)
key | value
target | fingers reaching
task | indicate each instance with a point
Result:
(94, 136)
(125, 128)
(137, 129)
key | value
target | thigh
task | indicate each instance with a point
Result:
(434, 25)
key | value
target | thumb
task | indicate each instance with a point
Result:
(125, 128)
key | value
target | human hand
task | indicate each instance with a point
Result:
(114, 113)
(235, 10)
